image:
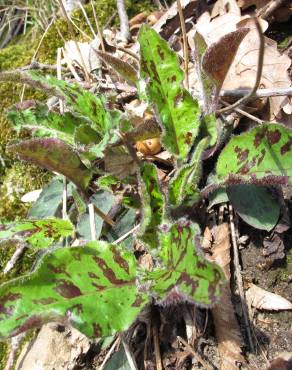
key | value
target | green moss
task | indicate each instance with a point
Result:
(18, 180)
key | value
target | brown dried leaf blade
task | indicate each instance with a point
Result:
(227, 330)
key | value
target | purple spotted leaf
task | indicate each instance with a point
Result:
(38, 233)
(93, 288)
(185, 275)
(260, 156)
(218, 57)
(177, 111)
(54, 155)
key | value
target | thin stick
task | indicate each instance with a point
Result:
(247, 97)
(130, 358)
(242, 112)
(156, 347)
(268, 10)
(15, 257)
(124, 21)
(87, 20)
(123, 237)
(239, 279)
(92, 221)
(261, 93)
(108, 355)
(195, 354)
(98, 27)
(42, 39)
(72, 36)
(185, 43)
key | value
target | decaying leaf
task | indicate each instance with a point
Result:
(264, 300)
(226, 325)
(119, 163)
(88, 55)
(242, 72)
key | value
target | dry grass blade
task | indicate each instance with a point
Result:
(227, 330)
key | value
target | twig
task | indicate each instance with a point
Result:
(247, 97)
(86, 19)
(15, 257)
(42, 39)
(15, 344)
(242, 112)
(123, 237)
(195, 354)
(185, 43)
(73, 38)
(92, 221)
(124, 21)
(239, 279)
(261, 93)
(108, 355)
(156, 346)
(98, 27)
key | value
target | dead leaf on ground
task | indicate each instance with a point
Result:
(242, 72)
(226, 326)
(119, 163)
(264, 300)
(89, 56)
(274, 248)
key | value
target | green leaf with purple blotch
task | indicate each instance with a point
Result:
(54, 155)
(153, 205)
(92, 287)
(184, 273)
(38, 233)
(44, 123)
(83, 102)
(260, 156)
(178, 112)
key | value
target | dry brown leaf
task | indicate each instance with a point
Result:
(264, 300)
(119, 163)
(242, 73)
(227, 330)
(89, 56)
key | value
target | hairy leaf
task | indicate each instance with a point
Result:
(54, 155)
(185, 274)
(255, 205)
(262, 156)
(93, 288)
(153, 205)
(38, 233)
(219, 56)
(178, 111)
(43, 122)
(184, 185)
(82, 102)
